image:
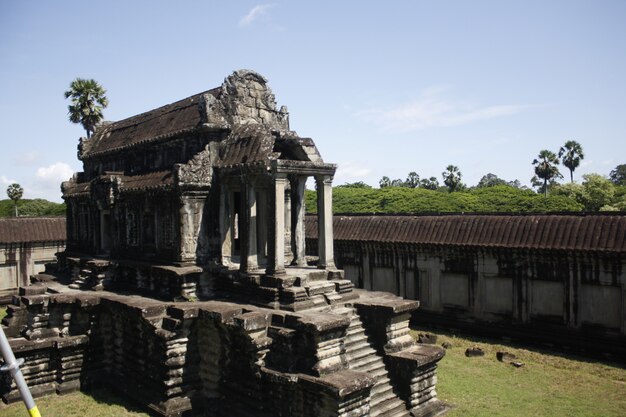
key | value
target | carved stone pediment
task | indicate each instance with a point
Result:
(245, 99)
(105, 190)
(198, 171)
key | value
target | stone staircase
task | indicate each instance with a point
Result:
(363, 357)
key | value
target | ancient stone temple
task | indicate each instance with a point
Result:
(189, 288)
(215, 181)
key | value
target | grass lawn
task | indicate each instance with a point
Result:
(547, 385)
(100, 403)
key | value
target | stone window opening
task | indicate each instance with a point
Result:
(148, 230)
(132, 232)
(166, 231)
(105, 231)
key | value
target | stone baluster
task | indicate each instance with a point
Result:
(325, 221)
(297, 221)
(276, 247)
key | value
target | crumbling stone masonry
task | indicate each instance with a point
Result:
(219, 358)
(190, 289)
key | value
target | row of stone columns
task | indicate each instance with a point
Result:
(270, 223)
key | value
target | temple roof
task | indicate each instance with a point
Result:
(32, 229)
(577, 232)
(152, 180)
(171, 119)
(244, 98)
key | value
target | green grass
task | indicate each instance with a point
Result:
(100, 403)
(547, 384)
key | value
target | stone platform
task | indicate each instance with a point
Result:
(225, 358)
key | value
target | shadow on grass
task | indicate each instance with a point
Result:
(107, 396)
(535, 347)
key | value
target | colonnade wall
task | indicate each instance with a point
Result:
(562, 296)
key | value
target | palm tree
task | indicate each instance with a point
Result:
(571, 154)
(412, 180)
(15, 192)
(430, 183)
(452, 178)
(546, 168)
(88, 101)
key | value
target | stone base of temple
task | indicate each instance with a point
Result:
(294, 289)
(225, 358)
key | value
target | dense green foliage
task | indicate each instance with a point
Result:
(36, 207)
(500, 198)
(618, 175)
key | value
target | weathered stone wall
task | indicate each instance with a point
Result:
(573, 298)
(18, 261)
(219, 358)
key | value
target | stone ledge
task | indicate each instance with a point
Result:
(320, 322)
(340, 384)
(419, 355)
(387, 305)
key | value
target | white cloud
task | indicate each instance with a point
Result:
(6, 181)
(47, 181)
(54, 173)
(350, 172)
(433, 109)
(27, 158)
(254, 14)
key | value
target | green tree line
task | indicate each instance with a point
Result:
(34, 207)
(596, 193)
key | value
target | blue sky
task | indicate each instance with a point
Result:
(384, 88)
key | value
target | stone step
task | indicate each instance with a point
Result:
(356, 355)
(366, 363)
(355, 345)
(384, 394)
(353, 330)
(382, 387)
(392, 406)
(344, 311)
(319, 287)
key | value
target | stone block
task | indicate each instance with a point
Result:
(33, 290)
(427, 338)
(474, 352)
(505, 356)
(319, 287)
(252, 321)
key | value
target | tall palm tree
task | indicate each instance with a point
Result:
(571, 154)
(88, 101)
(452, 178)
(15, 192)
(546, 168)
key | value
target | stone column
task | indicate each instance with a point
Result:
(325, 221)
(192, 241)
(262, 222)
(249, 238)
(288, 223)
(297, 221)
(276, 244)
(226, 226)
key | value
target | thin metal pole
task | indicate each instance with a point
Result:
(13, 365)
